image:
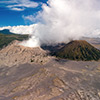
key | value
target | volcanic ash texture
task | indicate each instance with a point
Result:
(15, 54)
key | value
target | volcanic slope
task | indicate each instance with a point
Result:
(30, 74)
(15, 54)
(78, 50)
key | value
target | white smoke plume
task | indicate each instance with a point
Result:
(62, 20)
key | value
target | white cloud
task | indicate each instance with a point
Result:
(20, 29)
(63, 20)
(31, 18)
(20, 5)
(33, 42)
(18, 9)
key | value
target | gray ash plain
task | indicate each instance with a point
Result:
(57, 79)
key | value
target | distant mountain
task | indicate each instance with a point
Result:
(5, 39)
(6, 31)
(78, 50)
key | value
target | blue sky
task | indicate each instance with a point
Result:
(12, 11)
(59, 19)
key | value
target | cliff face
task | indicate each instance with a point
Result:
(78, 50)
(15, 54)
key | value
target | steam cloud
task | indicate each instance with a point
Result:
(64, 20)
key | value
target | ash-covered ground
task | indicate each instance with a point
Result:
(47, 79)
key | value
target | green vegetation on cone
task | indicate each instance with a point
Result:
(78, 50)
(5, 39)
